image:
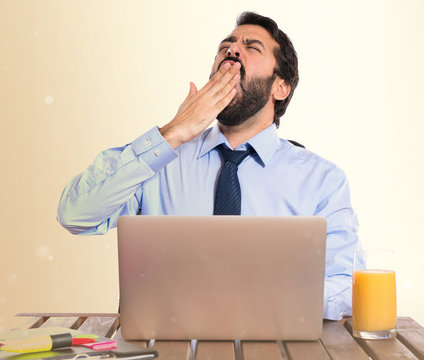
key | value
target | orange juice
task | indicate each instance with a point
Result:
(374, 300)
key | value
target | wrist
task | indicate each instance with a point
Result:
(170, 135)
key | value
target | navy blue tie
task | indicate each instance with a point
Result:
(227, 195)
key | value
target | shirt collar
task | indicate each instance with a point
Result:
(265, 143)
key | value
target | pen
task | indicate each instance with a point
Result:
(46, 343)
(127, 355)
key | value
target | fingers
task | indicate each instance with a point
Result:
(200, 108)
(228, 67)
(223, 102)
(222, 77)
(229, 71)
(222, 93)
(221, 89)
(192, 91)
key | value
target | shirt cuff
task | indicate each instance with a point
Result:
(154, 149)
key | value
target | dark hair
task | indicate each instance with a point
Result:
(285, 56)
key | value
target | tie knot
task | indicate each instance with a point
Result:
(234, 156)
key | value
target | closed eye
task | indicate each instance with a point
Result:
(254, 48)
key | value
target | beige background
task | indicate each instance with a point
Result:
(77, 77)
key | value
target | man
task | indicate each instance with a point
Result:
(176, 170)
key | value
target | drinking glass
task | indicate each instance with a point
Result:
(374, 295)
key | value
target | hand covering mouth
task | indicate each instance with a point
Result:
(232, 60)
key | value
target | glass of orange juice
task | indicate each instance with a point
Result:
(374, 295)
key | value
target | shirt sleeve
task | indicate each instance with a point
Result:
(110, 187)
(342, 240)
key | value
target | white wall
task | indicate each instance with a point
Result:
(77, 77)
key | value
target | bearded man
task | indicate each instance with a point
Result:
(183, 167)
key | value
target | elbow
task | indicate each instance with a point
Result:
(67, 213)
(64, 217)
(78, 224)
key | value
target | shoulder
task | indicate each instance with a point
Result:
(307, 159)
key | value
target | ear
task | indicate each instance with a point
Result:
(280, 89)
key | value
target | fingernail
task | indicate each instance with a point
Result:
(226, 66)
(237, 65)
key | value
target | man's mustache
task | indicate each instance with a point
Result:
(235, 59)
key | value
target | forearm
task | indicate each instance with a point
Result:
(93, 200)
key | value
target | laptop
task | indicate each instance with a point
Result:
(221, 277)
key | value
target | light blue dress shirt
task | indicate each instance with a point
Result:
(280, 179)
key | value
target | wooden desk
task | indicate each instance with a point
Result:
(336, 342)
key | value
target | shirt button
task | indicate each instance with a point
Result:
(148, 142)
(107, 171)
(157, 152)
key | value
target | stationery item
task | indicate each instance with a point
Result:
(113, 354)
(45, 343)
(374, 295)
(221, 277)
(78, 352)
(103, 345)
(82, 341)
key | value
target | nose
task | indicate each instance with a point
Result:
(233, 50)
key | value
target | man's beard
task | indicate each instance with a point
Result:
(250, 99)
